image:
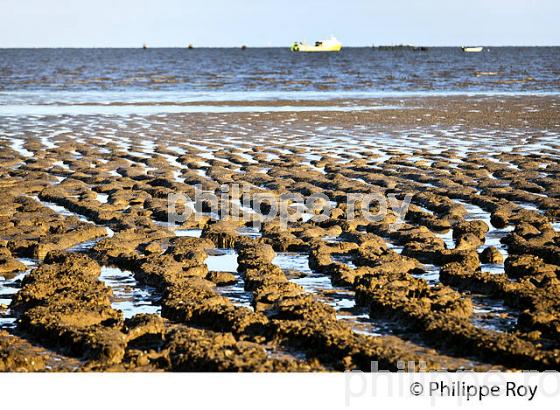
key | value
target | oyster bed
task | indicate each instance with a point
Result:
(93, 277)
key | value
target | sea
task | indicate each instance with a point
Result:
(50, 81)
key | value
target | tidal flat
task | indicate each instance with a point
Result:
(94, 278)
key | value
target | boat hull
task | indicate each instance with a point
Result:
(317, 49)
(472, 49)
(330, 45)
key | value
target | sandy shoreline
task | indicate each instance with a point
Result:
(470, 280)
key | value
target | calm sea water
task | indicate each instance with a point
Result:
(353, 69)
(55, 77)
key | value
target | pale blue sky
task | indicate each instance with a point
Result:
(169, 23)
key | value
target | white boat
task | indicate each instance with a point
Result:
(332, 44)
(472, 49)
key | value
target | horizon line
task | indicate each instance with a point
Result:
(257, 47)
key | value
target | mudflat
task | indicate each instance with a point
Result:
(94, 278)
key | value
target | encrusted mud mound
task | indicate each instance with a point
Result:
(63, 303)
(94, 276)
(202, 350)
(18, 358)
(31, 230)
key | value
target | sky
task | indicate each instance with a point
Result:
(261, 23)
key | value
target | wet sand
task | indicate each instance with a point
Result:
(91, 274)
